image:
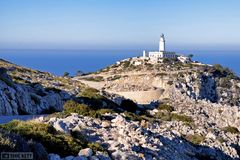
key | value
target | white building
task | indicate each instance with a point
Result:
(161, 53)
(184, 59)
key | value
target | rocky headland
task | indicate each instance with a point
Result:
(134, 109)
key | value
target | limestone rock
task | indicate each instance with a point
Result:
(86, 152)
(105, 124)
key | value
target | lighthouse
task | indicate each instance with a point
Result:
(161, 53)
(162, 43)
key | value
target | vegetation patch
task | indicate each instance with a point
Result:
(167, 116)
(132, 116)
(164, 116)
(115, 77)
(20, 80)
(84, 110)
(195, 139)
(126, 64)
(221, 71)
(221, 140)
(183, 118)
(11, 142)
(231, 129)
(95, 79)
(170, 82)
(90, 93)
(165, 107)
(53, 141)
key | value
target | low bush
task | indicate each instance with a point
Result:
(231, 129)
(221, 140)
(195, 139)
(168, 116)
(53, 141)
(126, 64)
(114, 78)
(90, 93)
(182, 118)
(132, 116)
(165, 107)
(95, 79)
(84, 110)
(170, 83)
(11, 142)
(223, 72)
(96, 147)
(164, 116)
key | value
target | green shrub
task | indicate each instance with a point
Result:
(195, 139)
(182, 118)
(84, 110)
(126, 64)
(53, 141)
(96, 147)
(170, 82)
(20, 80)
(220, 139)
(11, 142)
(231, 129)
(165, 107)
(115, 77)
(223, 72)
(6, 144)
(95, 79)
(164, 116)
(132, 116)
(167, 116)
(65, 74)
(90, 93)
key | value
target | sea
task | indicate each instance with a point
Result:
(59, 61)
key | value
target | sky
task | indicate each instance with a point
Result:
(119, 24)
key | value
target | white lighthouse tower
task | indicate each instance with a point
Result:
(162, 43)
(161, 53)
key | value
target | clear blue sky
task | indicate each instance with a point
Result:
(119, 24)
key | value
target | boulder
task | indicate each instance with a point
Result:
(106, 124)
(86, 152)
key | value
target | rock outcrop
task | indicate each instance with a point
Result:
(151, 81)
(126, 139)
(18, 98)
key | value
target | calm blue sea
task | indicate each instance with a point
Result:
(60, 61)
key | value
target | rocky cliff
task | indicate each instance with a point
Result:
(195, 80)
(27, 91)
(18, 98)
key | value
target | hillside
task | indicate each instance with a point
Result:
(28, 91)
(134, 109)
(137, 78)
(208, 95)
